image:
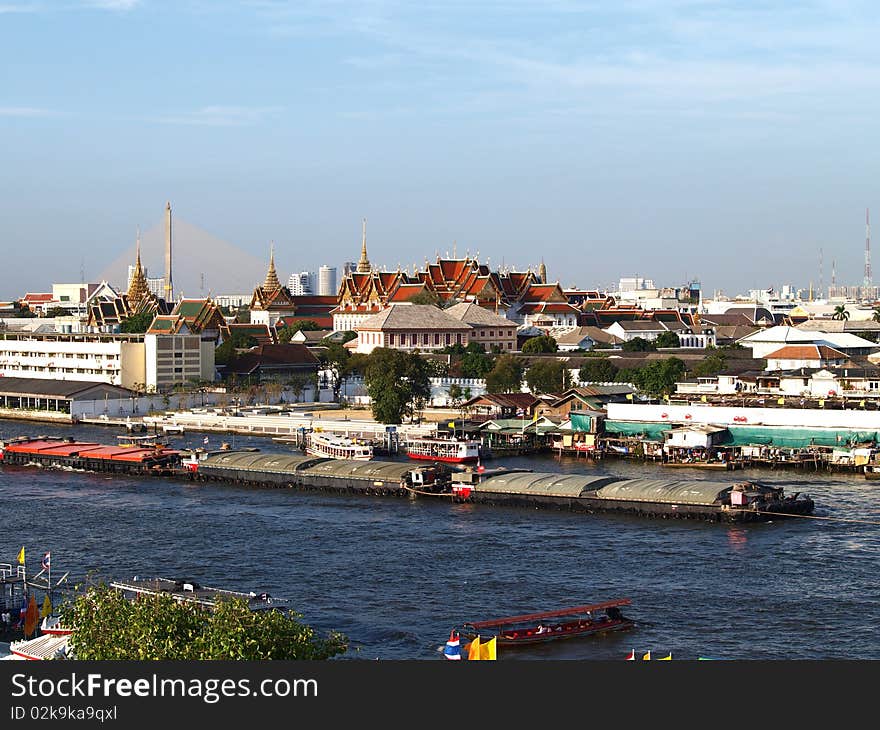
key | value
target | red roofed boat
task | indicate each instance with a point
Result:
(565, 623)
(66, 453)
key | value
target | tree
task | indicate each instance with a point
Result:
(876, 316)
(658, 377)
(475, 364)
(289, 330)
(57, 312)
(426, 296)
(710, 366)
(398, 384)
(238, 341)
(455, 394)
(336, 360)
(598, 370)
(638, 344)
(137, 323)
(505, 376)
(667, 339)
(840, 312)
(544, 343)
(546, 376)
(106, 625)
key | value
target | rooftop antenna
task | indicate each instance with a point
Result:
(833, 273)
(867, 250)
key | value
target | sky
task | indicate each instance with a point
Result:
(730, 142)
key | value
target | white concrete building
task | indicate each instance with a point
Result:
(302, 283)
(157, 361)
(327, 281)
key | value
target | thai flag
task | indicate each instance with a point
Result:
(205, 439)
(22, 614)
(452, 650)
(46, 562)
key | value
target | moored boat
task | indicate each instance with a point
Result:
(446, 450)
(565, 623)
(331, 446)
(191, 592)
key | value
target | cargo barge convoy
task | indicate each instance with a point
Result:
(707, 500)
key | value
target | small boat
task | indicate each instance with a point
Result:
(191, 592)
(720, 465)
(330, 446)
(140, 442)
(565, 623)
(872, 471)
(446, 450)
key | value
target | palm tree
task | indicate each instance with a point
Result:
(876, 316)
(840, 312)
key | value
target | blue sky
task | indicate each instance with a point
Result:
(727, 141)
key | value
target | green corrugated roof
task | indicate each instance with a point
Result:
(541, 484)
(655, 490)
(190, 309)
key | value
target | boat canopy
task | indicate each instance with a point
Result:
(388, 470)
(542, 484)
(576, 610)
(657, 490)
(250, 461)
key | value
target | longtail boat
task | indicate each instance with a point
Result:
(564, 623)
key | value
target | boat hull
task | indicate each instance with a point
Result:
(445, 459)
(531, 637)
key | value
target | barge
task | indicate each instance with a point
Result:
(89, 456)
(703, 500)
(715, 501)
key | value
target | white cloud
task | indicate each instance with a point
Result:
(24, 111)
(219, 116)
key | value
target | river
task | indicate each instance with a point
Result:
(396, 575)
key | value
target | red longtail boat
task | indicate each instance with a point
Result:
(564, 623)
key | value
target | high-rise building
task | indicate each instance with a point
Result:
(348, 267)
(301, 283)
(327, 281)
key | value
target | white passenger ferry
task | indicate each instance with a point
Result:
(330, 446)
(447, 450)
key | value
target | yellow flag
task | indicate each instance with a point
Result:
(629, 396)
(703, 398)
(666, 397)
(474, 649)
(821, 403)
(21, 556)
(861, 404)
(781, 401)
(665, 658)
(488, 651)
(47, 607)
(647, 656)
(451, 424)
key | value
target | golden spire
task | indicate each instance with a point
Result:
(363, 266)
(542, 272)
(271, 283)
(138, 289)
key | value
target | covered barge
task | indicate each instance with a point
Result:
(89, 456)
(706, 500)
